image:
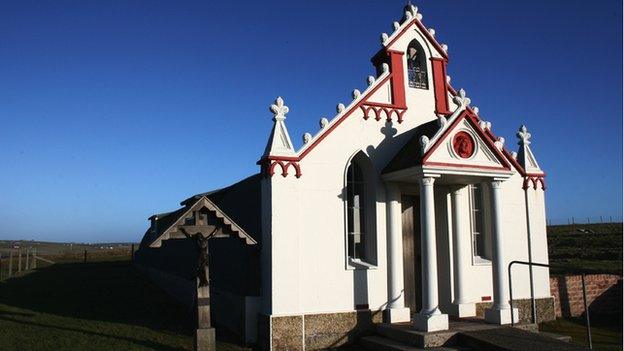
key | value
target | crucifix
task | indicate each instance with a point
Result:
(205, 334)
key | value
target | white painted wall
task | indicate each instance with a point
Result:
(304, 233)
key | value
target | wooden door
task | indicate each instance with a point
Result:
(412, 274)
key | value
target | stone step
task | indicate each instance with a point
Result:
(379, 343)
(406, 334)
(513, 339)
(564, 338)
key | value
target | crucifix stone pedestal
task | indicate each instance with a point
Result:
(205, 334)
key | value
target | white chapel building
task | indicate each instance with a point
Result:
(404, 207)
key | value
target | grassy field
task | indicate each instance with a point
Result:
(93, 306)
(606, 333)
(105, 304)
(594, 247)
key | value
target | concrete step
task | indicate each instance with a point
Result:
(379, 343)
(564, 338)
(513, 339)
(406, 334)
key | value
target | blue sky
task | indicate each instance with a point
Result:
(113, 110)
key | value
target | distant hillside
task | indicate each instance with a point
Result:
(67, 252)
(594, 247)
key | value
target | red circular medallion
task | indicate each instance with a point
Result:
(463, 144)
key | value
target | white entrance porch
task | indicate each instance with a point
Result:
(432, 188)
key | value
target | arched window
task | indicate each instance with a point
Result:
(356, 211)
(416, 66)
(361, 240)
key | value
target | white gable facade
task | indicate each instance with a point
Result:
(403, 207)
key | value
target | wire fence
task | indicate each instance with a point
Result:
(585, 220)
(20, 260)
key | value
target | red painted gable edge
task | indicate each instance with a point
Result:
(397, 107)
(425, 33)
(473, 120)
(505, 152)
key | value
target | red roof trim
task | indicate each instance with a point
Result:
(445, 164)
(336, 124)
(472, 119)
(347, 114)
(425, 33)
(493, 137)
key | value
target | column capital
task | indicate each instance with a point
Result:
(428, 179)
(496, 183)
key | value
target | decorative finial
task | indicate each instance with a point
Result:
(355, 94)
(485, 125)
(323, 122)
(523, 135)
(500, 142)
(384, 38)
(431, 31)
(419, 16)
(370, 80)
(461, 99)
(307, 137)
(279, 141)
(448, 79)
(424, 142)
(279, 109)
(384, 67)
(475, 109)
(445, 48)
(340, 107)
(411, 8)
(395, 26)
(441, 121)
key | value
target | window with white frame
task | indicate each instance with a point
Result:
(361, 240)
(477, 222)
(356, 212)
(416, 66)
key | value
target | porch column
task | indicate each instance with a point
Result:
(500, 312)
(430, 318)
(396, 310)
(462, 306)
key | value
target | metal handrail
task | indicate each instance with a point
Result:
(534, 317)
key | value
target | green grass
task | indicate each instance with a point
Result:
(606, 332)
(93, 306)
(571, 250)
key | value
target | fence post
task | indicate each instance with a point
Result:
(34, 258)
(589, 340)
(10, 263)
(19, 260)
(85, 256)
(27, 266)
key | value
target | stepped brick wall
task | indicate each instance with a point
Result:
(604, 294)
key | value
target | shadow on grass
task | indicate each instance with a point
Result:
(102, 291)
(146, 343)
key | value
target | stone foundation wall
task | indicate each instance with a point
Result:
(315, 331)
(604, 294)
(545, 309)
